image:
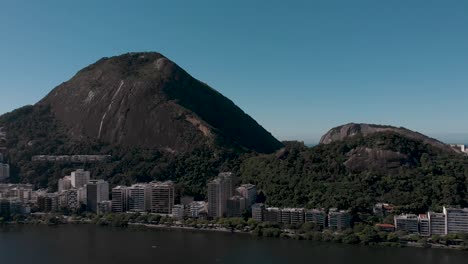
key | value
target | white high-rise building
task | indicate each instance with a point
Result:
(456, 221)
(79, 178)
(64, 184)
(219, 191)
(96, 191)
(81, 193)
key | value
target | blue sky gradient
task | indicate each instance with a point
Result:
(297, 67)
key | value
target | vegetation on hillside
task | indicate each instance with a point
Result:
(427, 177)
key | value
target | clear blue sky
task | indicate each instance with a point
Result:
(297, 67)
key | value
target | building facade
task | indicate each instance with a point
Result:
(437, 223)
(339, 220)
(236, 206)
(96, 192)
(139, 198)
(407, 222)
(258, 211)
(80, 178)
(316, 216)
(456, 221)
(219, 191)
(162, 197)
(119, 199)
(249, 192)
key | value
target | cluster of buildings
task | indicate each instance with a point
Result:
(463, 148)
(16, 199)
(450, 221)
(335, 219)
(75, 192)
(154, 197)
(224, 200)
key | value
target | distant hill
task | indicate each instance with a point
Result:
(352, 129)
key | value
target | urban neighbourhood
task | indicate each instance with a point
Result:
(78, 192)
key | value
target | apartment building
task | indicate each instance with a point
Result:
(316, 216)
(437, 223)
(456, 221)
(162, 197)
(339, 219)
(407, 222)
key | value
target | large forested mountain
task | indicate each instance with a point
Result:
(146, 100)
(159, 123)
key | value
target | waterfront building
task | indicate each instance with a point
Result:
(22, 192)
(104, 207)
(424, 225)
(316, 216)
(407, 222)
(297, 216)
(196, 208)
(219, 191)
(139, 197)
(258, 211)
(96, 191)
(13, 206)
(456, 221)
(249, 192)
(235, 206)
(437, 223)
(272, 215)
(285, 216)
(48, 202)
(162, 197)
(119, 199)
(178, 211)
(64, 184)
(339, 220)
(79, 178)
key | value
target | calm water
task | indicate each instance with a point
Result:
(91, 244)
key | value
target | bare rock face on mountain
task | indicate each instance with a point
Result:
(381, 148)
(146, 100)
(351, 130)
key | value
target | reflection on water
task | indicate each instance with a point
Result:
(91, 244)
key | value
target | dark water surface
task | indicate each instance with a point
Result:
(92, 244)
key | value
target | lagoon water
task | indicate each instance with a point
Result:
(90, 244)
